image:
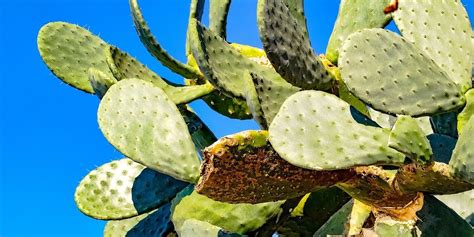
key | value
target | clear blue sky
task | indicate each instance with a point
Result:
(49, 135)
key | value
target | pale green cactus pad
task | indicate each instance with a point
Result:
(387, 226)
(154, 223)
(315, 130)
(292, 57)
(355, 15)
(100, 82)
(272, 92)
(145, 125)
(196, 228)
(461, 203)
(70, 50)
(467, 112)
(382, 119)
(408, 138)
(155, 49)
(124, 188)
(393, 76)
(462, 161)
(238, 218)
(359, 214)
(218, 11)
(441, 28)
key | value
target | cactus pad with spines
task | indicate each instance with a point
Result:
(288, 48)
(196, 228)
(153, 130)
(462, 161)
(448, 38)
(467, 112)
(70, 50)
(375, 63)
(355, 15)
(315, 130)
(100, 82)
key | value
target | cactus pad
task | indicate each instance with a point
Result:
(393, 76)
(196, 228)
(100, 82)
(461, 203)
(442, 147)
(462, 161)
(387, 226)
(355, 15)
(408, 138)
(218, 11)
(70, 50)
(124, 188)
(441, 28)
(154, 133)
(315, 130)
(467, 112)
(289, 48)
(238, 218)
(359, 214)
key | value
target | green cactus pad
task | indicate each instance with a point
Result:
(462, 161)
(382, 119)
(437, 219)
(253, 102)
(296, 8)
(124, 188)
(124, 66)
(408, 138)
(196, 228)
(218, 11)
(152, 45)
(445, 124)
(359, 214)
(353, 16)
(100, 82)
(387, 226)
(335, 224)
(441, 28)
(154, 223)
(393, 76)
(201, 135)
(467, 112)
(433, 178)
(442, 147)
(461, 203)
(288, 48)
(154, 133)
(272, 92)
(238, 218)
(70, 50)
(315, 130)
(222, 63)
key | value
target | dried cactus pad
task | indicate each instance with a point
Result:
(70, 50)
(462, 161)
(124, 188)
(394, 76)
(238, 218)
(289, 48)
(441, 28)
(315, 130)
(145, 125)
(355, 15)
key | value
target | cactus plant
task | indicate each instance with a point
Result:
(345, 145)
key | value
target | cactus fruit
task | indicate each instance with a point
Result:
(354, 142)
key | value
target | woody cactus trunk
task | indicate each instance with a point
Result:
(372, 138)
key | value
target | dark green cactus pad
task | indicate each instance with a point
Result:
(467, 112)
(218, 11)
(288, 48)
(154, 134)
(442, 147)
(238, 218)
(408, 138)
(201, 135)
(387, 226)
(100, 82)
(336, 224)
(296, 8)
(253, 102)
(437, 219)
(435, 178)
(155, 49)
(70, 50)
(462, 161)
(315, 130)
(445, 124)
(247, 157)
(228, 106)
(272, 92)
(443, 31)
(154, 223)
(124, 188)
(461, 203)
(407, 82)
(355, 15)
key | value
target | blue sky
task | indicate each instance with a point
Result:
(49, 134)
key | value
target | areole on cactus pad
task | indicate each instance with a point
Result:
(352, 142)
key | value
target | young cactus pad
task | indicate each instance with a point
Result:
(354, 142)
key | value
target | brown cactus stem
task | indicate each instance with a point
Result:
(372, 186)
(244, 168)
(434, 178)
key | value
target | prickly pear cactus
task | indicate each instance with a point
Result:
(356, 141)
